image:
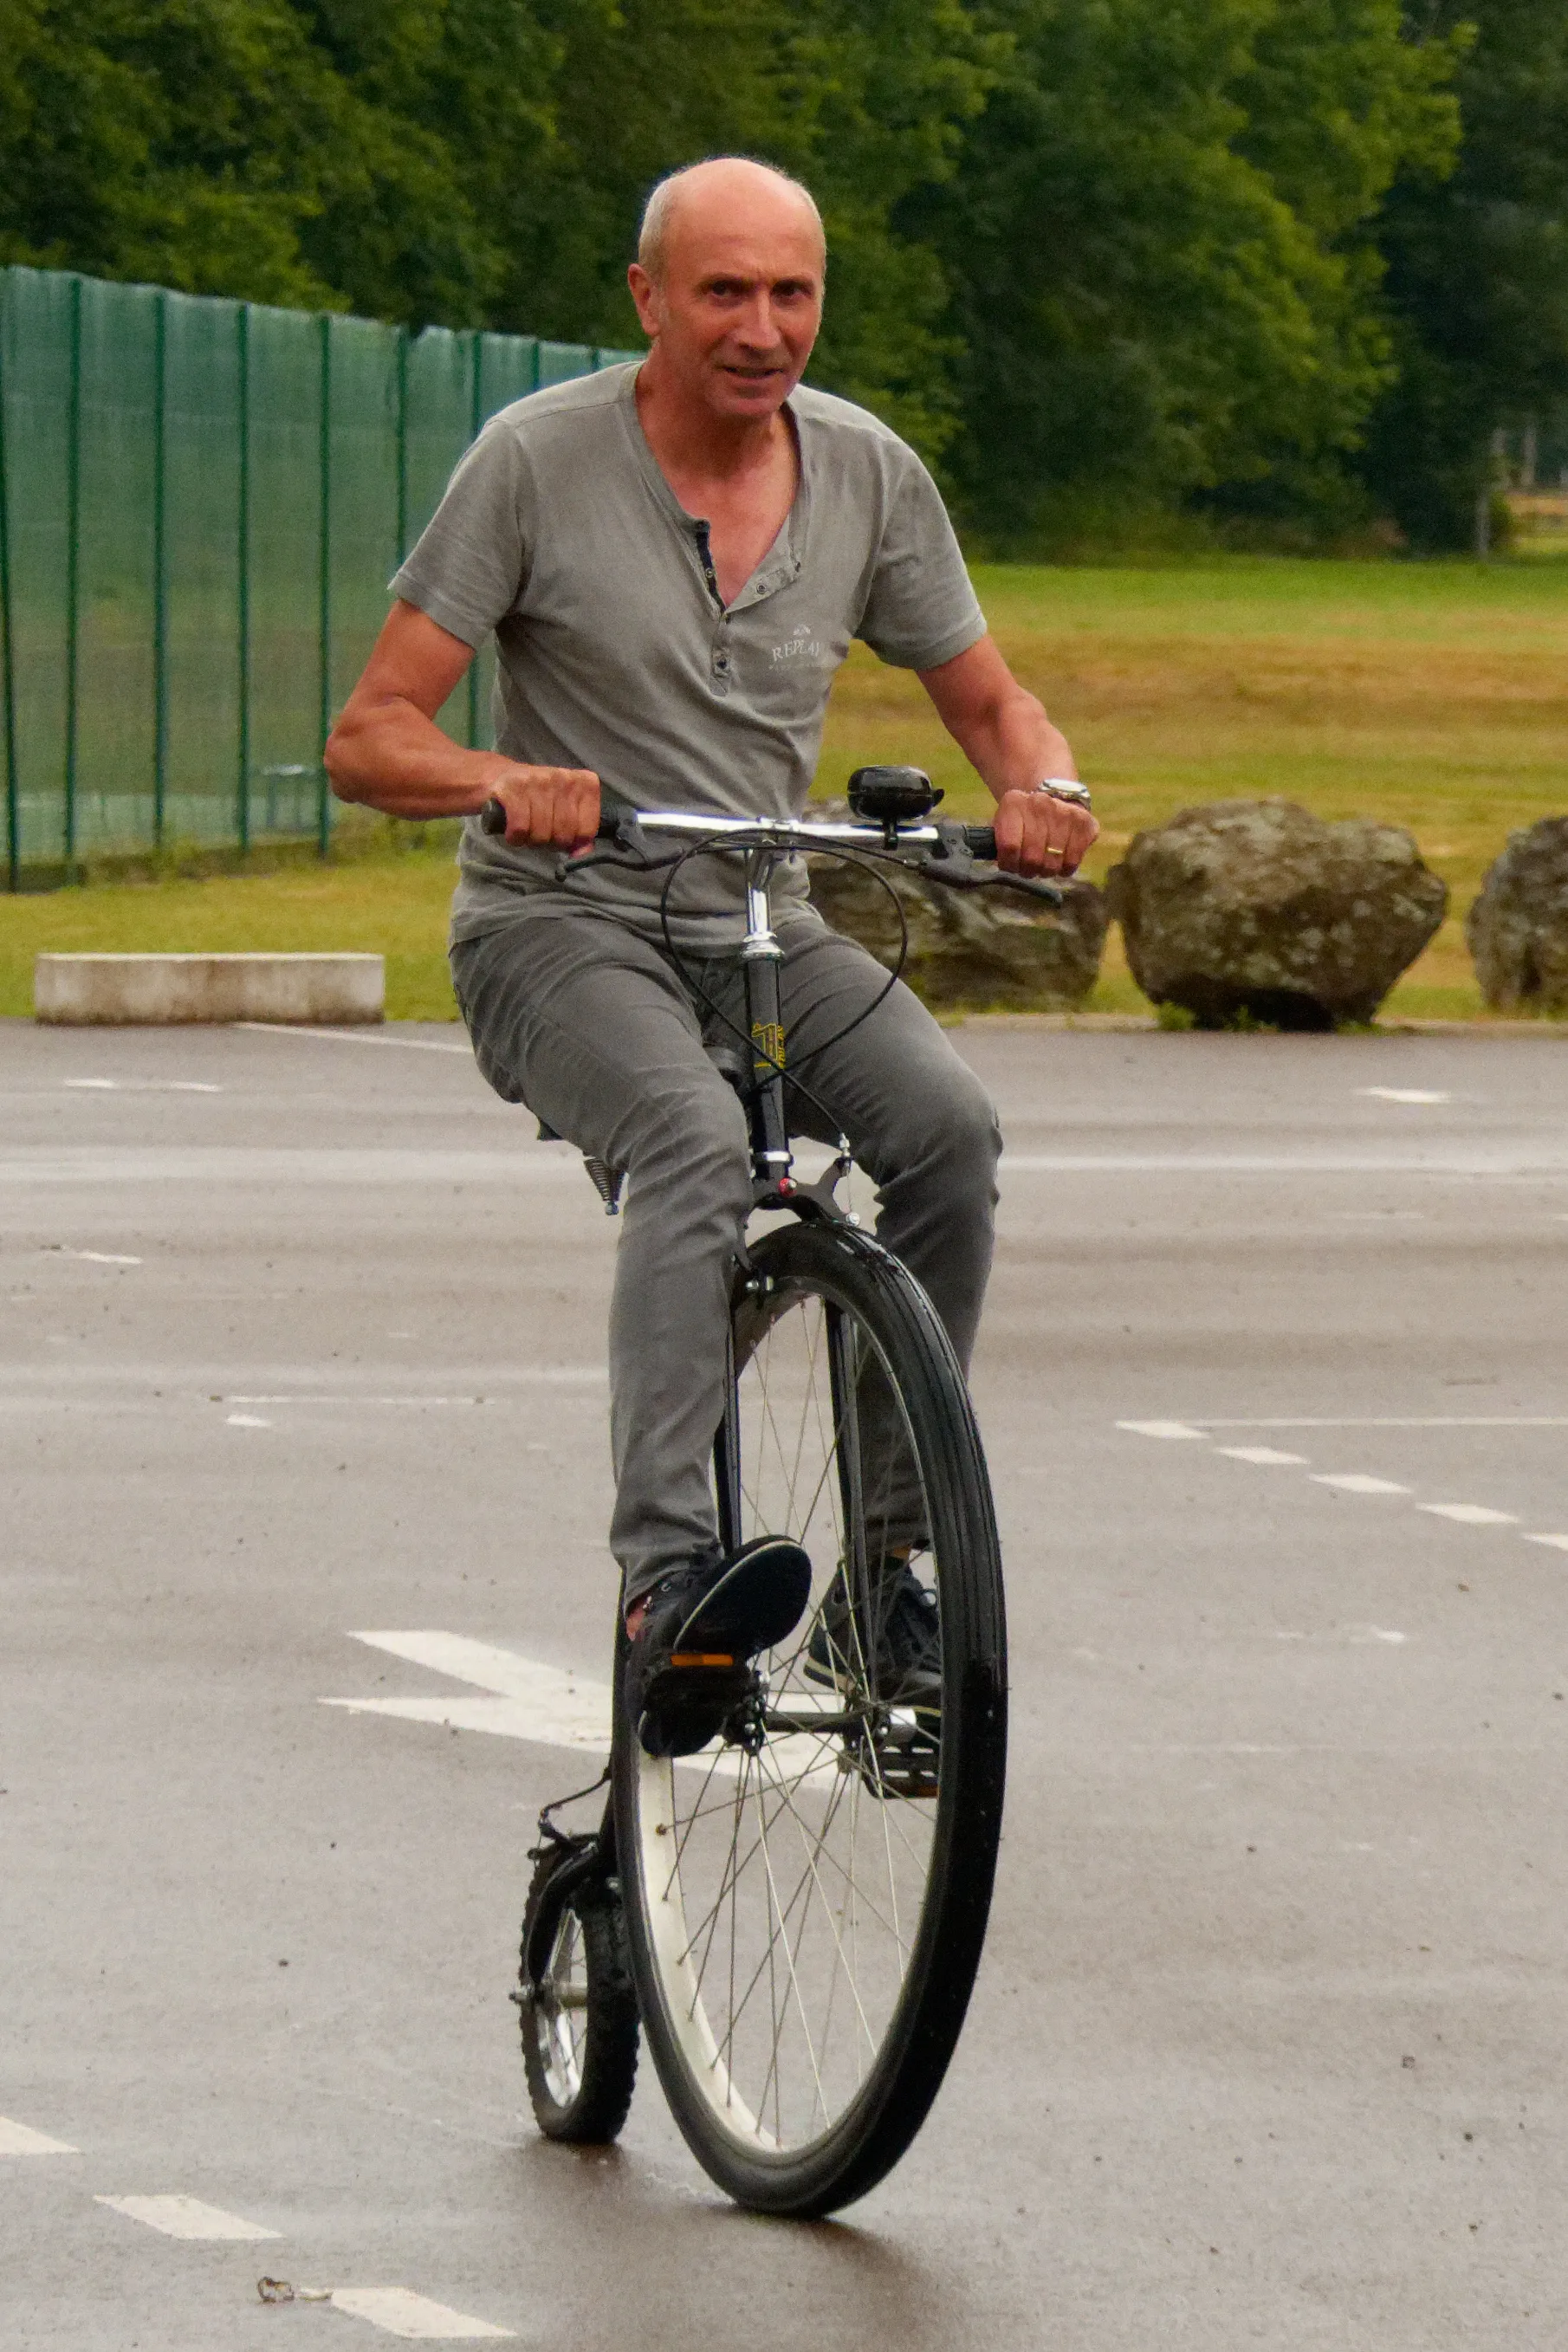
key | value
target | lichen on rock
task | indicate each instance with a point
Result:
(1259, 911)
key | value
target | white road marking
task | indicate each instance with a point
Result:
(544, 1375)
(1356, 1482)
(1558, 1543)
(1171, 1428)
(20, 2139)
(1262, 1454)
(532, 1701)
(414, 2316)
(1470, 1515)
(1406, 1093)
(356, 1037)
(45, 1164)
(246, 1421)
(1531, 1159)
(1392, 1421)
(145, 1086)
(1374, 1633)
(99, 1257)
(549, 1706)
(186, 2216)
(280, 1168)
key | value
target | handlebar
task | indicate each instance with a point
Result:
(618, 817)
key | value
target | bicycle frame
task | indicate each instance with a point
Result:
(948, 849)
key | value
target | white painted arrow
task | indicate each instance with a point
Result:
(531, 1701)
(557, 1708)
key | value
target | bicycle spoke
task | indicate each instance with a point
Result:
(793, 1865)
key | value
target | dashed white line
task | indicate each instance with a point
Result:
(414, 2316)
(186, 2216)
(246, 1421)
(1171, 1428)
(98, 1258)
(1360, 1482)
(20, 2139)
(356, 1037)
(547, 1375)
(1357, 1481)
(1471, 1515)
(1406, 1093)
(144, 1086)
(1262, 1454)
(1387, 1420)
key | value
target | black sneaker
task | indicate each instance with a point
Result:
(898, 1655)
(690, 1665)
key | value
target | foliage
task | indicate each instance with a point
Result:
(1158, 241)
(1103, 258)
(1477, 275)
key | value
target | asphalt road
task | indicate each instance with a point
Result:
(303, 1341)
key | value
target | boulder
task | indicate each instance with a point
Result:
(1518, 927)
(1257, 909)
(984, 949)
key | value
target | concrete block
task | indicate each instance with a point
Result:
(106, 990)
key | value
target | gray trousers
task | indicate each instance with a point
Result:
(598, 1032)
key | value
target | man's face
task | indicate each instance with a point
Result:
(740, 301)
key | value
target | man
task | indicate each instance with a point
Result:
(673, 559)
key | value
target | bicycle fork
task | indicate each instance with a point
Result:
(760, 958)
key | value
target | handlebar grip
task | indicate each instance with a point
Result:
(980, 840)
(613, 814)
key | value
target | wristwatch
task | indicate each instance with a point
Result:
(1064, 788)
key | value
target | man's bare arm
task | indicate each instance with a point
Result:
(387, 751)
(1003, 730)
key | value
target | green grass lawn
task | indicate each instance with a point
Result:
(1432, 695)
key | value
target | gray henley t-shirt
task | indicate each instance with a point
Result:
(560, 533)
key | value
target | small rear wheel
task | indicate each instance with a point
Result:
(576, 2002)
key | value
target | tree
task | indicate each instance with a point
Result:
(1159, 238)
(483, 161)
(865, 100)
(1477, 275)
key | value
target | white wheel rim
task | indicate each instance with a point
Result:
(781, 1891)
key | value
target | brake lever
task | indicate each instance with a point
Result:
(958, 874)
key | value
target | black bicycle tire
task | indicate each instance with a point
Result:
(610, 2039)
(868, 2139)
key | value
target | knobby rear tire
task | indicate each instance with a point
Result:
(906, 2006)
(577, 2010)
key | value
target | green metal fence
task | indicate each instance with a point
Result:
(201, 502)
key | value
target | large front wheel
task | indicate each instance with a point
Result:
(806, 1899)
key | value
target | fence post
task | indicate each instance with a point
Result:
(160, 567)
(402, 442)
(476, 418)
(73, 568)
(242, 601)
(7, 664)
(324, 612)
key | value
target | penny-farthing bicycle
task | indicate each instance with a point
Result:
(795, 1915)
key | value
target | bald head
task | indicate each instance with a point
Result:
(724, 193)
